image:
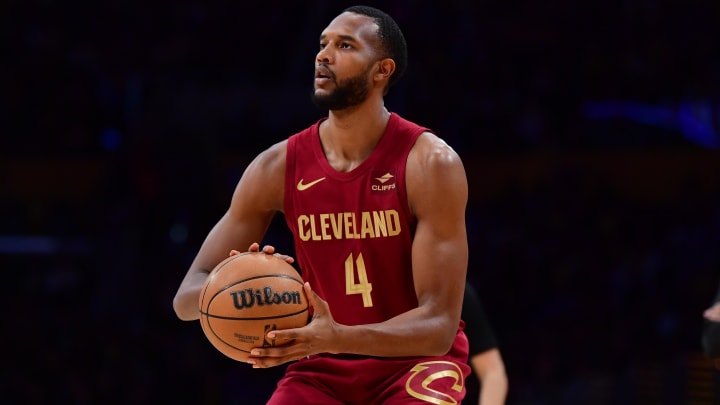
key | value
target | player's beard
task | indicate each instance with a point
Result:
(348, 93)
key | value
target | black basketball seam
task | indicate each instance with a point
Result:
(260, 318)
(224, 341)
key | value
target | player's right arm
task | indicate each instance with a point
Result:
(258, 196)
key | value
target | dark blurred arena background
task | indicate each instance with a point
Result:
(590, 131)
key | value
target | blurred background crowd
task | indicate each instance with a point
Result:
(589, 130)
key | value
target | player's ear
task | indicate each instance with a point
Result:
(385, 69)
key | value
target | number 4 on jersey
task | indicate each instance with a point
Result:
(362, 286)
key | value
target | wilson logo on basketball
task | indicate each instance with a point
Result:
(382, 181)
(248, 298)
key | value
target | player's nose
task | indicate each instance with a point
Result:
(324, 55)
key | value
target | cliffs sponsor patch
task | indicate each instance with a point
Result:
(382, 181)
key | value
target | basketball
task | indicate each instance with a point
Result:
(246, 296)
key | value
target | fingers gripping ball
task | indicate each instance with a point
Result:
(247, 295)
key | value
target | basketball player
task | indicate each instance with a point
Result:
(485, 358)
(376, 205)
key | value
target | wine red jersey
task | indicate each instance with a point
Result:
(353, 230)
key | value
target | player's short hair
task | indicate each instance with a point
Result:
(391, 38)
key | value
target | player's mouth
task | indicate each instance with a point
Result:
(322, 75)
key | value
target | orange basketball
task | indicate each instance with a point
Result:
(247, 295)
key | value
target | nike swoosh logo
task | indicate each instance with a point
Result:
(301, 186)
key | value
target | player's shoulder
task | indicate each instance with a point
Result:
(278, 149)
(270, 161)
(275, 151)
(430, 149)
(434, 166)
(274, 157)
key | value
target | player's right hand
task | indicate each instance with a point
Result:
(267, 249)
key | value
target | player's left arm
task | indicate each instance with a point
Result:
(438, 192)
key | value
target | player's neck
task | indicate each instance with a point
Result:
(349, 136)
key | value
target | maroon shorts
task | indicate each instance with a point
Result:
(349, 379)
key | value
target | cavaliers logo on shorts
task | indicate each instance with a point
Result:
(436, 382)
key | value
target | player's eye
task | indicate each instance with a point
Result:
(345, 45)
(322, 45)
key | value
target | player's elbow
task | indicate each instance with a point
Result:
(184, 309)
(443, 342)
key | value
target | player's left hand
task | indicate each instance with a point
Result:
(317, 336)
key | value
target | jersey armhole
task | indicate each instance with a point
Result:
(289, 176)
